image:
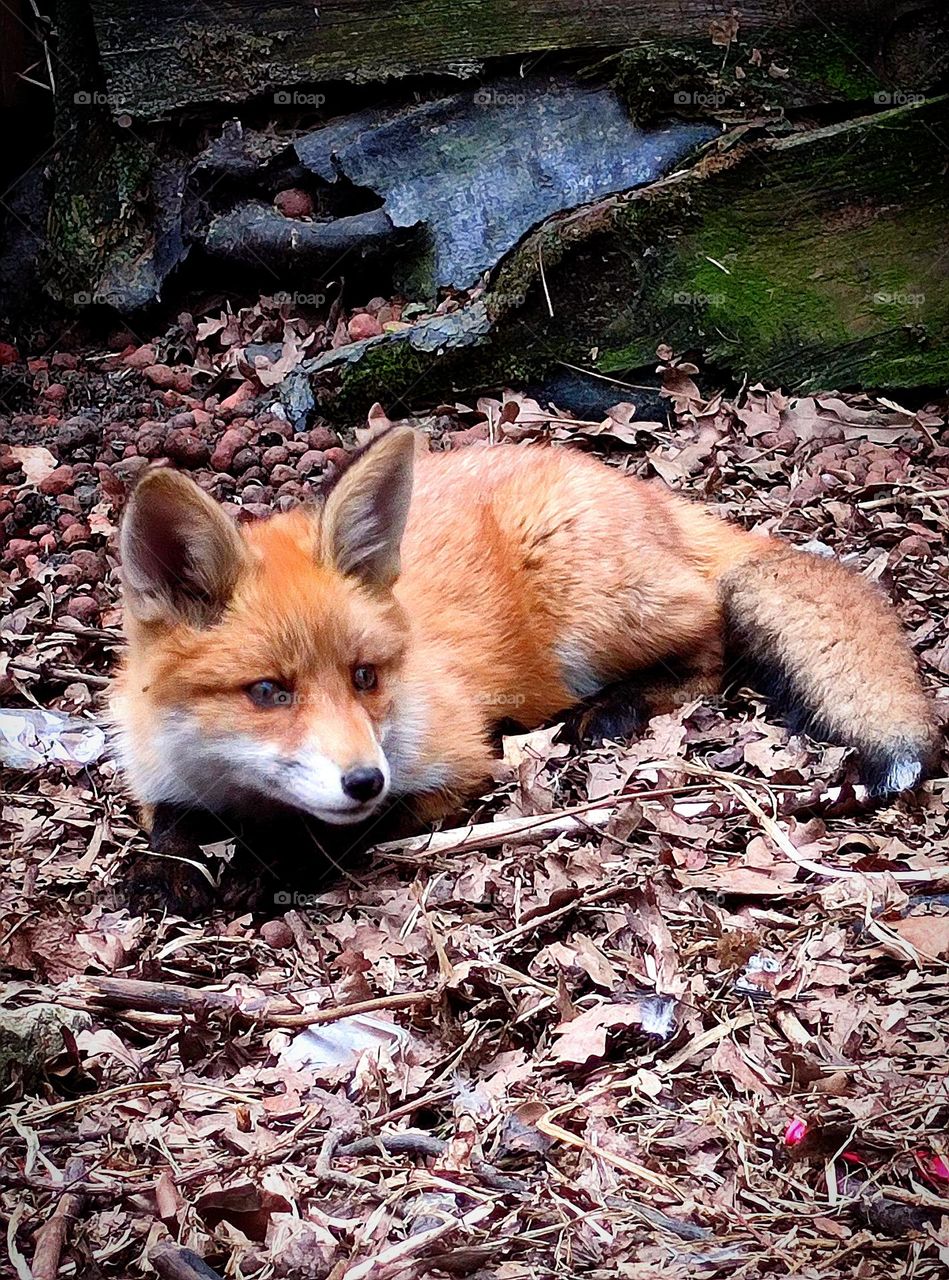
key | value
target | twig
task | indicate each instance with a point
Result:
(71, 676)
(910, 495)
(324, 1164)
(51, 1236)
(485, 835)
(168, 997)
(543, 278)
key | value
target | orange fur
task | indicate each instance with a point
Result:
(529, 578)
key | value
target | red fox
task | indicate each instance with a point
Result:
(338, 658)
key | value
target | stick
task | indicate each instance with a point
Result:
(485, 835)
(168, 997)
(51, 1236)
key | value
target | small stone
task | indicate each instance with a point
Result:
(141, 357)
(237, 399)
(294, 203)
(336, 457)
(362, 325)
(64, 360)
(20, 547)
(255, 511)
(277, 934)
(160, 375)
(322, 438)
(186, 447)
(312, 460)
(282, 473)
(245, 458)
(55, 392)
(8, 354)
(130, 467)
(274, 456)
(231, 441)
(88, 564)
(57, 482)
(77, 532)
(83, 609)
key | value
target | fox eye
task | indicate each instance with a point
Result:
(364, 677)
(269, 693)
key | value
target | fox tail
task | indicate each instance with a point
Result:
(827, 647)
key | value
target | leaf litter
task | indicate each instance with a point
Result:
(673, 1007)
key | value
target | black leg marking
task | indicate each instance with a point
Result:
(617, 711)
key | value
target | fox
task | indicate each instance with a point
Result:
(359, 653)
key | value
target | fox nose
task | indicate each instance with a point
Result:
(363, 784)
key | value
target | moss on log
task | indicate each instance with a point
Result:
(812, 260)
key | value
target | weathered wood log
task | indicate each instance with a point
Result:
(811, 260)
(161, 57)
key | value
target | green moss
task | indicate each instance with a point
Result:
(813, 261)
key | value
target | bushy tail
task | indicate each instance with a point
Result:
(827, 646)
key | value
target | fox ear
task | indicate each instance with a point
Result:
(365, 514)
(181, 556)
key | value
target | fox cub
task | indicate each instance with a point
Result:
(335, 659)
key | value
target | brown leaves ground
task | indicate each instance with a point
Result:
(700, 1028)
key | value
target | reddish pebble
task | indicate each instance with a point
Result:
(57, 482)
(55, 392)
(48, 543)
(83, 609)
(64, 360)
(77, 532)
(322, 438)
(88, 564)
(362, 326)
(255, 511)
(312, 460)
(232, 440)
(140, 358)
(274, 456)
(160, 375)
(277, 934)
(187, 447)
(294, 203)
(243, 395)
(20, 547)
(336, 457)
(8, 354)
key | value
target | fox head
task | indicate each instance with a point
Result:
(264, 662)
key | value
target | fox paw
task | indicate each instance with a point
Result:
(611, 715)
